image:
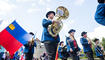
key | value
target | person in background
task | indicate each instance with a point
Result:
(62, 51)
(100, 12)
(2, 51)
(6, 56)
(29, 48)
(49, 41)
(72, 46)
(18, 54)
(86, 46)
(98, 49)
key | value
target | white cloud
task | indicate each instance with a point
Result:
(5, 7)
(98, 32)
(40, 2)
(6, 0)
(33, 5)
(36, 4)
(33, 10)
(48, 9)
(43, 2)
(24, 0)
(48, 0)
(3, 25)
(79, 2)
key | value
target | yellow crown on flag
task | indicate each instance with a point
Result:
(11, 26)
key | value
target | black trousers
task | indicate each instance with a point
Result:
(90, 55)
(74, 56)
(64, 59)
(51, 48)
(101, 57)
(28, 56)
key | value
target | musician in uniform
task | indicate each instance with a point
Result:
(29, 48)
(100, 12)
(87, 47)
(98, 49)
(62, 50)
(72, 46)
(49, 41)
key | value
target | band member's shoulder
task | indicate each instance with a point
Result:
(82, 38)
(68, 39)
(45, 20)
(101, 5)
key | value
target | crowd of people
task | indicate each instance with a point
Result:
(73, 48)
(52, 44)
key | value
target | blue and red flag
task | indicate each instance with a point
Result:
(13, 37)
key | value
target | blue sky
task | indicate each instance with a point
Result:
(29, 14)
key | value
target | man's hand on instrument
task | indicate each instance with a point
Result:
(89, 42)
(102, 48)
(55, 21)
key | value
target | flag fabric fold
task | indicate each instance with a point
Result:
(13, 37)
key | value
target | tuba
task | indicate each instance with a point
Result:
(62, 13)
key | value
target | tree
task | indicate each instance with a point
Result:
(103, 42)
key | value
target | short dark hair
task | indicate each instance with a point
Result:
(61, 42)
(71, 30)
(48, 13)
(96, 39)
(101, 1)
(83, 33)
(31, 33)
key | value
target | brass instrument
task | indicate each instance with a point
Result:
(78, 52)
(61, 14)
(91, 42)
(32, 41)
